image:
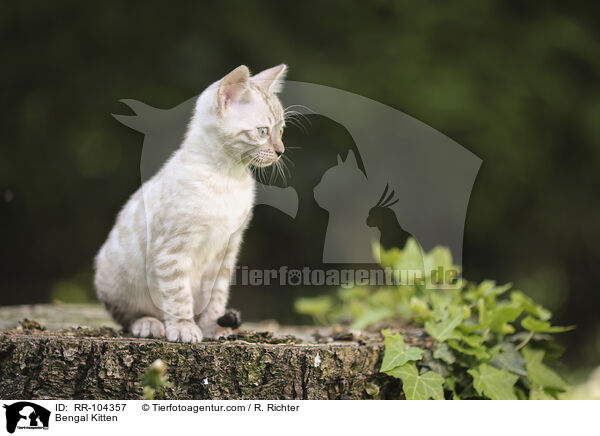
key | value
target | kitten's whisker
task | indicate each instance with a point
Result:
(298, 115)
(263, 171)
(280, 166)
(284, 163)
(287, 109)
(272, 177)
(289, 160)
(261, 174)
(286, 172)
(297, 123)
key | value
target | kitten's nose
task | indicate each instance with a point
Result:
(277, 144)
(278, 147)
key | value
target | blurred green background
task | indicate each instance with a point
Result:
(516, 83)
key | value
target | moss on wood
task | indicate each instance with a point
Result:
(104, 363)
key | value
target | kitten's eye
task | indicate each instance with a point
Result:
(262, 131)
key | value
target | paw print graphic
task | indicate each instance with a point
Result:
(294, 277)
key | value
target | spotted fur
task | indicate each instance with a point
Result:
(166, 265)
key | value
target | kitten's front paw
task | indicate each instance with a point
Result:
(183, 331)
(147, 327)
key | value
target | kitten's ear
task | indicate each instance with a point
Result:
(233, 87)
(271, 80)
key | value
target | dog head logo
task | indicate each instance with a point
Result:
(26, 415)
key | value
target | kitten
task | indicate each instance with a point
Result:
(166, 265)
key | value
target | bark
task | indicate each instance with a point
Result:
(104, 363)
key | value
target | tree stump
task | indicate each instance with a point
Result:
(260, 361)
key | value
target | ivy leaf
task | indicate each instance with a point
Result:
(480, 353)
(539, 394)
(471, 340)
(317, 307)
(471, 327)
(419, 307)
(496, 384)
(539, 374)
(443, 330)
(450, 384)
(476, 292)
(520, 299)
(440, 303)
(486, 289)
(442, 352)
(501, 316)
(438, 257)
(510, 359)
(419, 386)
(434, 365)
(521, 395)
(371, 317)
(388, 258)
(533, 325)
(396, 353)
(351, 294)
(410, 258)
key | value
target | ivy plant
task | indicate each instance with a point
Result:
(489, 341)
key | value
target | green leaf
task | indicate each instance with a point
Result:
(510, 359)
(440, 303)
(480, 353)
(533, 325)
(443, 330)
(471, 340)
(349, 294)
(317, 307)
(521, 395)
(481, 290)
(471, 327)
(442, 352)
(496, 384)
(388, 258)
(450, 384)
(410, 258)
(482, 312)
(539, 374)
(529, 306)
(419, 386)
(396, 353)
(501, 316)
(371, 317)
(486, 289)
(438, 257)
(419, 307)
(539, 394)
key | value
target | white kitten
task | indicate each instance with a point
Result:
(166, 265)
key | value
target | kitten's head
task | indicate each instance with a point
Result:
(248, 115)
